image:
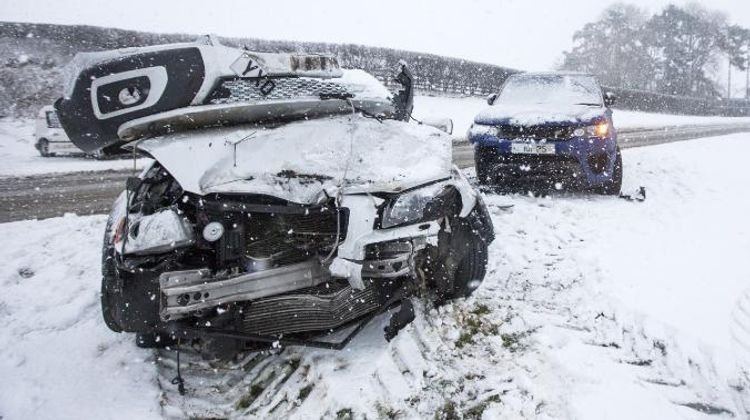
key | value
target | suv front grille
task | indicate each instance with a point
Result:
(510, 166)
(535, 132)
(253, 90)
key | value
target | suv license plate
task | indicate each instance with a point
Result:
(532, 149)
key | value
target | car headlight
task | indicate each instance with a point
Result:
(153, 234)
(600, 130)
(411, 206)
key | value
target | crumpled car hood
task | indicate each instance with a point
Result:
(303, 161)
(538, 114)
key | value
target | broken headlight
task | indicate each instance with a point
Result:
(411, 206)
(153, 234)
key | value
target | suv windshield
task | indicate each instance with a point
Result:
(550, 89)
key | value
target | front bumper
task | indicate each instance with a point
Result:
(302, 297)
(577, 162)
(370, 266)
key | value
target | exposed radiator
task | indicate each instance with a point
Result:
(294, 313)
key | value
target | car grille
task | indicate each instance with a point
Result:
(303, 312)
(307, 233)
(253, 90)
(319, 225)
(529, 167)
(535, 132)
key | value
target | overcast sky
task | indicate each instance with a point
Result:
(523, 34)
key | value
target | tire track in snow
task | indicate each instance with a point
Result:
(740, 328)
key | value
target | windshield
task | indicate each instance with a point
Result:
(550, 89)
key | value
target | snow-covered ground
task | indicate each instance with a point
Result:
(18, 157)
(593, 308)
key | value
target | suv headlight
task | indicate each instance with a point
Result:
(412, 206)
(600, 130)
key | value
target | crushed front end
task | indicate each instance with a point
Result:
(236, 270)
(288, 199)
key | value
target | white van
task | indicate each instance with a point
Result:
(50, 137)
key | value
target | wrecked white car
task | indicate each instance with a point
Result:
(50, 137)
(289, 200)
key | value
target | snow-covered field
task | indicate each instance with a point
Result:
(19, 157)
(593, 308)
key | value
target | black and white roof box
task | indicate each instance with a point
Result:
(116, 96)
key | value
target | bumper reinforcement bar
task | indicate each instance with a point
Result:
(183, 292)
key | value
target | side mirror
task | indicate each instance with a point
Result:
(491, 98)
(609, 99)
(442, 124)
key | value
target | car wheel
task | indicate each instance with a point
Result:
(471, 269)
(109, 284)
(43, 147)
(464, 267)
(613, 186)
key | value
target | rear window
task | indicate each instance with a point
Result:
(550, 89)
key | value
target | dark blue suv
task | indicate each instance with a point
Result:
(553, 130)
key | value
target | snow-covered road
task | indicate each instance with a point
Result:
(593, 308)
(19, 157)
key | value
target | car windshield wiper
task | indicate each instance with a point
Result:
(588, 104)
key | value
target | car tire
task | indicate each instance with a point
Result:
(471, 269)
(43, 146)
(465, 265)
(613, 186)
(109, 283)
